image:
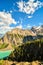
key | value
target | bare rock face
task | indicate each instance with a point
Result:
(38, 30)
(16, 36)
(6, 62)
(35, 63)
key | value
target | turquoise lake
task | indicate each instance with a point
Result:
(4, 54)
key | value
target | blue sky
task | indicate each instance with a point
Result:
(25, 13)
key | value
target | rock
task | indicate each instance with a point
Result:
(35, 63)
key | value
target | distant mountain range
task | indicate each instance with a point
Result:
(18, 36)
(38, 30)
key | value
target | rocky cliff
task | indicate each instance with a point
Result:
(38, 30)
(16, 36)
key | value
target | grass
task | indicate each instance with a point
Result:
(4, 45)
(1, 62)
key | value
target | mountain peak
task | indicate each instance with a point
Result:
(37, 29)
(16, 36)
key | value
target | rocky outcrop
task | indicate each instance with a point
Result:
(38, 30)
(16, 36)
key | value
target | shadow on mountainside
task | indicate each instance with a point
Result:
(28, 52)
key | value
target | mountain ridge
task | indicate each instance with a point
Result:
(38, 30)
(16, 36)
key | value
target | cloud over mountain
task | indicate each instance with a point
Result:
(19, 26)
(5, 21)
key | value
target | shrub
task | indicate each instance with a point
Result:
(28, 52)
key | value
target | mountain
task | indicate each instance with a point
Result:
(17, 36)
(38, 30)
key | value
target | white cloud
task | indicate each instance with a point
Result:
(19, 26)
(29, 7)
(29, 16)
(6, 18)
(5, 21)
(11, 11)
(4, 29)
(20, 5)
(28, 26)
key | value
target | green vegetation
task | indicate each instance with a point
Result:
(4, 45)
(1, 62)
(28, 51)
